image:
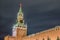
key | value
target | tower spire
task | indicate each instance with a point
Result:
(20, 10)
(20, 18)
(19, 21)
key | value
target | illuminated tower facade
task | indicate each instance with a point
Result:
(20, 17)
(19, 29)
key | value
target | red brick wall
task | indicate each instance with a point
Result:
(52, 34)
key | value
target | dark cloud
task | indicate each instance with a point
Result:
(41, 14)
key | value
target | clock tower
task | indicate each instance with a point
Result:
(19, 29)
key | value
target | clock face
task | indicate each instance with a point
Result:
(21, 21)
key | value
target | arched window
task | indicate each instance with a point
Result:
(48, 38)
(43, 39)
(58, 38)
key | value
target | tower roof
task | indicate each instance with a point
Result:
(20, 18)
(20, 10)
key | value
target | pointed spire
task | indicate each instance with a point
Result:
(20, 10)
(20, 6)
(20, 19)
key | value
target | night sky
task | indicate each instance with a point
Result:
(38, 14)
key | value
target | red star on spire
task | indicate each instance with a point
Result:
(20, 4)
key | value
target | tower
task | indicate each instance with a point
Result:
(19, 29)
